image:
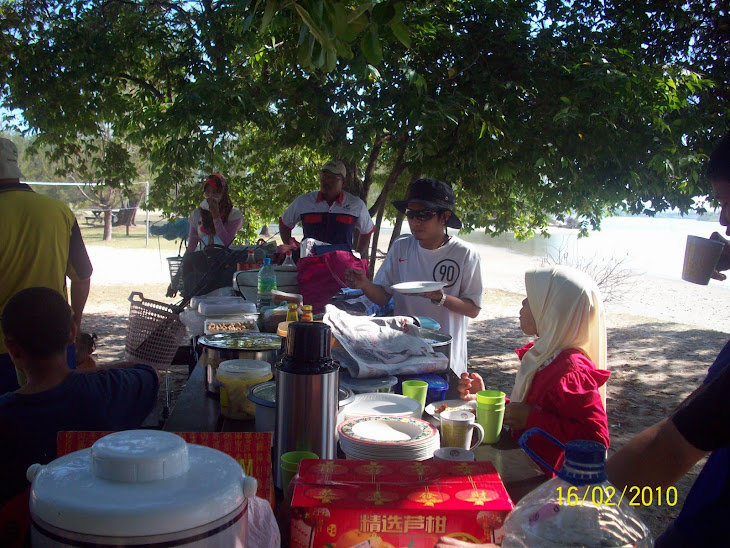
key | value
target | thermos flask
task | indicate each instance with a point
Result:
(306, 394)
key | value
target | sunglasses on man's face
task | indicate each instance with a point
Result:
(421, 214)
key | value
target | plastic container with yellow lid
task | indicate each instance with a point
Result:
(236, 377)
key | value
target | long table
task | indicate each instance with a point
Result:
(195, 411)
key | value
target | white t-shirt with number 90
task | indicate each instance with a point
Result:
(456, 264)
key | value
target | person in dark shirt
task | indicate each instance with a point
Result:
(38, 326)
(330, 214)
(662, 454)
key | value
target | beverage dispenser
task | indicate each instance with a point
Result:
(306, 394)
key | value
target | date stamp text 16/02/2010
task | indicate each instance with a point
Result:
(608, 496)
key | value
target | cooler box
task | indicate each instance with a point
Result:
(358, 503)
(246, 282)
(437, 386)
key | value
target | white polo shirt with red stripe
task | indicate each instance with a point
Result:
(334, 223)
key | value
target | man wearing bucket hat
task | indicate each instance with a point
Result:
(330, 214)
(42, 245)
(429, 254)
(660, 455)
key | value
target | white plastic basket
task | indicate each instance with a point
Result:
(154, 333)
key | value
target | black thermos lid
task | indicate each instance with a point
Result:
(308, 341)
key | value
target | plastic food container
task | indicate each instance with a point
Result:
(230, 324)
(362, 386)
(264, 396)
(437, 386)
(229, 306)
(236, 378)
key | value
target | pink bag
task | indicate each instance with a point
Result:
(321, 276)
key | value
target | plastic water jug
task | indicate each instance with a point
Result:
(266, 284)
(578, 507)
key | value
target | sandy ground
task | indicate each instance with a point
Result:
(662, 336)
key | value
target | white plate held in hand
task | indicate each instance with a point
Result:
(417, 287)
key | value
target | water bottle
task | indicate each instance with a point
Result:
(578, 507)
(266, 284)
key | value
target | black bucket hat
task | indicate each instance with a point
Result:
(433, 194)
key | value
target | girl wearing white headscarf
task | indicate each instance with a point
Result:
(560, 383)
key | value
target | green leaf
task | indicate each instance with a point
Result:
(247, 23)
(355, 27)
(339, 19)
(373, 72)
(304, 53)
(400, 9)
(370, 45)
(343, 49)
(383, 13)
(269, 12)
(330, 60)
(313, 28)
(318, 55)
(401, 32)
(359, 10)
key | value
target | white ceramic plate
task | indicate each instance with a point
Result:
(451, 404)
(417, 287)
(376, 403)
(387, 431)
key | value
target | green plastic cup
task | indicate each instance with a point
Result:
(490, 397)
(490, 407)
(490, 418)
(416, 390)
(290, 466)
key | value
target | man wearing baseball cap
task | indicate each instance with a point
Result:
(430, 255)
(330, 214)
(42, 246)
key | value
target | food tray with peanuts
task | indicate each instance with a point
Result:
(230, 324)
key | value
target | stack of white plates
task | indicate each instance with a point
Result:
(388, 438)
(375, 404)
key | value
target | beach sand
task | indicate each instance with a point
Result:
(662, 336)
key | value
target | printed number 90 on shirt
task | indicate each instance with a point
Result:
(609, 496)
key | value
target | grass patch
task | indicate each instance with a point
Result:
(93, 235)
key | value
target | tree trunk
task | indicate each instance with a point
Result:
(380, 203)
(399, 218)
(107, 223)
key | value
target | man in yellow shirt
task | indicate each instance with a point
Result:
(42, 247)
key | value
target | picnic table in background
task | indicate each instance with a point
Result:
(120, 216)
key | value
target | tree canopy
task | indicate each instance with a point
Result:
(530, 109)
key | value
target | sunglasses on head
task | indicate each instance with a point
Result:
(421, 214)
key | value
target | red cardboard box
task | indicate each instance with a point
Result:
(394, 504)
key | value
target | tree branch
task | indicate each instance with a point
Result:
(152, 89)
